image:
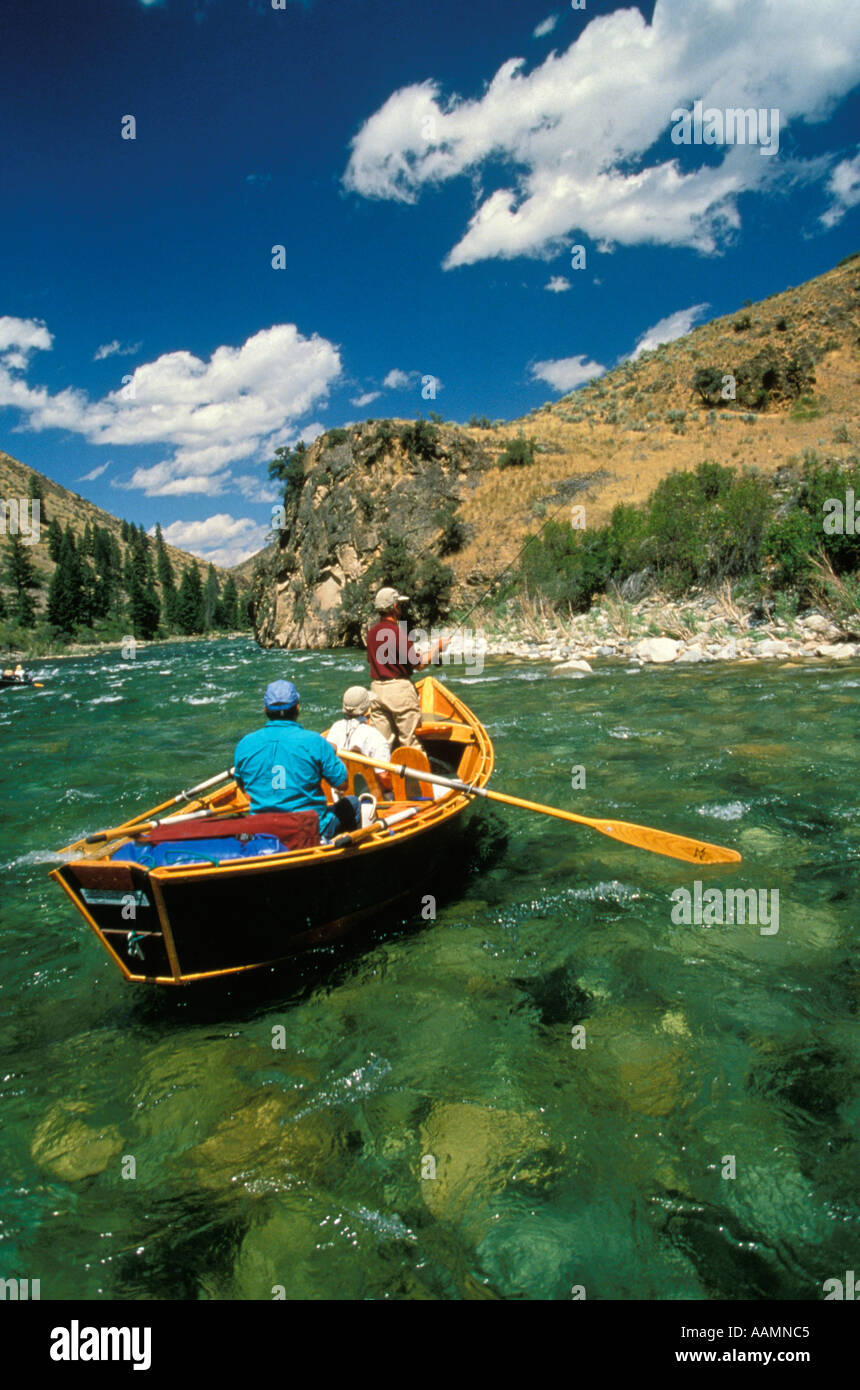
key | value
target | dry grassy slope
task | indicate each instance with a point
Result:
(502, 509)
(244, 573)
(69, 507)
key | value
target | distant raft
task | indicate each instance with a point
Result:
(225, 891)
(19, 683)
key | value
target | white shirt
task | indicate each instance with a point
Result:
(355, 736)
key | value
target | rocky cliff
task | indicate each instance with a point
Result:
(361, 506)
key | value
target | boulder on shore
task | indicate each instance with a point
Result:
(656, 649)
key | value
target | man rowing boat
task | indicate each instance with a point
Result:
(281, 767)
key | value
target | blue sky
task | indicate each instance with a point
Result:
(427, 169)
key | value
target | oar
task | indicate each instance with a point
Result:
(134, 823)
(642, 836)
(131, 830)
(355, 837)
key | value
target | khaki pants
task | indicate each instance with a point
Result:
(395, 712)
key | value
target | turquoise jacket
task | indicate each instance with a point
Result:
(280, 768)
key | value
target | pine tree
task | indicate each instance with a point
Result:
(55, 539)
(66, 600)
(144, 610)
(167, 580)
(227, 612)
(210, 598)
(107, 576)
(190, 615)
(124, 531)
(22, 579)
(37, 495)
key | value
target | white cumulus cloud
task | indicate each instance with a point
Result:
(24, 334)
(396, 380)
(566, 373)
(844, 189)
(223, 539)
(558, 284)
(577, 132)
(668, 329)
(238, 405)
(367, 399)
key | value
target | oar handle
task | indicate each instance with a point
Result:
(132, 830)
(356, 837)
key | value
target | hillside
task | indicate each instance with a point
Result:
(69, 508)
(94, 578)
(794, 359)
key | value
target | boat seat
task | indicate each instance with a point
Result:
(294, 829)
(414, 758)
(370, 778)
(449, 731)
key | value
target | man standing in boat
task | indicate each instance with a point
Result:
(396, 709)
(281, 766)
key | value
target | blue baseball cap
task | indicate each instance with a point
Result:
(281, 695)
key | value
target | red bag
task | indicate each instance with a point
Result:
(295, 829)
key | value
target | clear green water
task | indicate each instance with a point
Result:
(450, 1042)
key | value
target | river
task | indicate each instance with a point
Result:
(552, 1090)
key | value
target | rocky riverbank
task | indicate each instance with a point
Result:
(660, 631)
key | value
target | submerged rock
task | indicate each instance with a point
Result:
(267, 1141)
(69, 1148)
(477, 1153)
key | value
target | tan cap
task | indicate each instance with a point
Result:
(386, 599)
(356, 700)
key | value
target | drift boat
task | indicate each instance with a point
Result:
(216, 891)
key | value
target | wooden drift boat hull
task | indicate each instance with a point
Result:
(178, 924)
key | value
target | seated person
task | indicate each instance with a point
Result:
(281, 766)
(19, 672)
(354, 735)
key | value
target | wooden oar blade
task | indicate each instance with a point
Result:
(665, 842)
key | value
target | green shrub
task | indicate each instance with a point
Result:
(454, 533)
(788, 546)
(708, 382)
(420, 440)
(334, 437)
(568, 567)
(517, 453)
(706, 526)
